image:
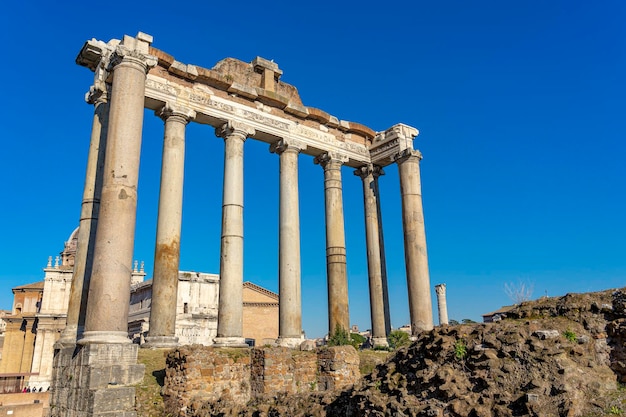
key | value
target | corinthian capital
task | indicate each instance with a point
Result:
(407, 154)
(233, 128)
(134, 50)
(364, 171)
(175, 110)
(367, 170)
(286, 144)
(331, 158)
(440, 289)
(98, 93)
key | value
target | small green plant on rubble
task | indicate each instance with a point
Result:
(570, 335)
(460, 349)
(340, 337)
(615, 411)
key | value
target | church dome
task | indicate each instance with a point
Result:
(69, 252)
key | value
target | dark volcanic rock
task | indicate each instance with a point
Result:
(557, 356)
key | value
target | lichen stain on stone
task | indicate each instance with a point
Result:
(122, 195)
(167, 254)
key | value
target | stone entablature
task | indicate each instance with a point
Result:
(252, 93)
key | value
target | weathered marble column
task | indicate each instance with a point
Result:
(418, 281)
(442, 304)
(378, 171)
(290, 298)
(338, 313)
(107, 308)
(90, 208)
(374, 263)
(230, 312)
(162, 333)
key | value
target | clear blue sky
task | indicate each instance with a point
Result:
(520, 105)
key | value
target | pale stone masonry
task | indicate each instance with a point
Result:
(241, 101)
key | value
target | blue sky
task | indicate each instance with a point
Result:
(520, 105)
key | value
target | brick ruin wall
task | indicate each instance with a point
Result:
(197, 374)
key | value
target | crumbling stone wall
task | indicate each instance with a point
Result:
(282, 370)
(338, 367)
(197, 375)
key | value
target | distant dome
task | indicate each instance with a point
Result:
(69, 252)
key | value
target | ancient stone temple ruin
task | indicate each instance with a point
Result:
(95, 363)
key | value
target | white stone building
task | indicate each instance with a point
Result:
(196, 308)
(196, 321)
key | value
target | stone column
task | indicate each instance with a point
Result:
(162, 332)
(374, 262)
(230, 312)
(90, 208)
(290, 301)
(107, 310)
(418, 281)
(442, 303)
(338, 313)
(378, 171)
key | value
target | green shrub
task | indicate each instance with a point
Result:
(398, 338)
(340, 337)
(356, 340)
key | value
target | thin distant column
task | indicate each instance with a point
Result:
(290, 299)
(107, 308)
(442, 304)
(374, 264)
(90, 208)
(338, 313)
(378, 171)
(418, 281)
(230, 312)
(162, 332)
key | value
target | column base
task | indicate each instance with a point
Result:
(290, 342)
(96, 380)
(104, 337)
(68, 337)
(234, 342)
(380, 342)
(166, 342)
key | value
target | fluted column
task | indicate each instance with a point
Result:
(230, 312)
(374, 262)
(290, 299)
(442, 304)
(90, 208)
(338, 314)
(418, 281)
(162, 331)
(378, 171)
(107, 308)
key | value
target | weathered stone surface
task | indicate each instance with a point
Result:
(506, 370)
(199, 377)
(546, 334)
(95, 380)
